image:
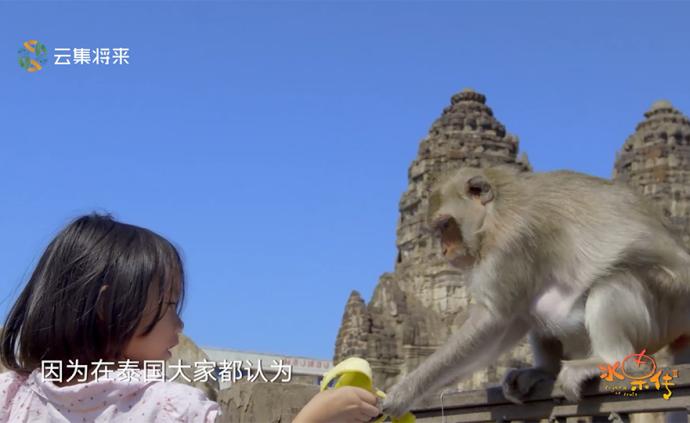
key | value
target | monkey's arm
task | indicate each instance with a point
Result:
(480, 340)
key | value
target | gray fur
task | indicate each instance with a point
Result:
(588, 267)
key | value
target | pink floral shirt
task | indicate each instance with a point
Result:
(114, 398)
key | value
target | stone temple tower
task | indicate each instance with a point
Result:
(415, 307)
(656, 161)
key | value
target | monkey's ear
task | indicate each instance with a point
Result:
(478, 187)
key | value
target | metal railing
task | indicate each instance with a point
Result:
(599, 400)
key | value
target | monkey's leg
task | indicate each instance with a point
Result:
(574, 372)
(480, 340)
(617, 318)
(548, 352)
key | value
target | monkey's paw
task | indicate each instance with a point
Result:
(398, 400)
(569, 382)
(518, 383)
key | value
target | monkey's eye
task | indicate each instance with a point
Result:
(475, 191)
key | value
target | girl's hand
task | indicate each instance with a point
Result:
(343, 405)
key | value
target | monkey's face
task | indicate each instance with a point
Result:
(456, 213)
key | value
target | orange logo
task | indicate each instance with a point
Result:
(638, 382)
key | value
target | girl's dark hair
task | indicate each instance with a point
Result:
(63, 313)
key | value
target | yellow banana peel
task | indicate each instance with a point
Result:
(356, 371)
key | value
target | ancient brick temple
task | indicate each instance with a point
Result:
(656, 161)
(415, 308)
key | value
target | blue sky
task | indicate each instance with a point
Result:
(271, 140)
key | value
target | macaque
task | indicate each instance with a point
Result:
(587, 268)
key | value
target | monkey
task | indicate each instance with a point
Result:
(587, 268)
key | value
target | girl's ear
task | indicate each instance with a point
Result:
(100, 302)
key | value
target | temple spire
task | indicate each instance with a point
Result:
(655, 160)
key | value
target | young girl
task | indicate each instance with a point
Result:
(109, 291)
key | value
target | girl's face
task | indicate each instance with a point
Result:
(156, 344)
